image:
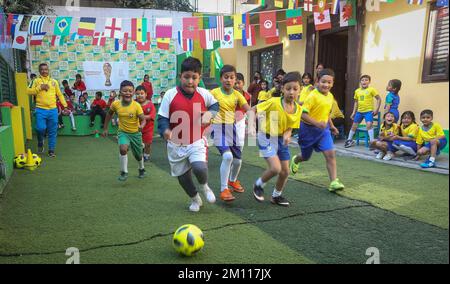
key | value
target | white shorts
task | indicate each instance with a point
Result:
(240, 132)
(181, 156)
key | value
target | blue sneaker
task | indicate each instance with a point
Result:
(428, 164)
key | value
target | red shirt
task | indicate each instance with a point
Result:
(149, 89)
(254, 90)
(68, 92)
(98, 102)
(60, 106)
(149, 109)
(110, 101)
(240, 112)
(79, 86)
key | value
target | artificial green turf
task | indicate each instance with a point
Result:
(417, 194)
(76, 200)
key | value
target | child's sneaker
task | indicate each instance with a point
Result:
(208, 193)
(280, 200)
(428, 164)
(380, 155)
(236, 186)
(196, 203)
(293, 166)
(91, 124)
(123, 176)
(51, 154)
(388, 157)
(349, 143)
(74, 129)
(226, 195)
(40, 149)
(258, 193)
(141, 173)
(336, 185)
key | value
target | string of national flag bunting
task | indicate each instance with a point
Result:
(214, 36)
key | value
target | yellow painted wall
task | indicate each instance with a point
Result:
(23, 100)
(394, 46)
(17, 125)
(293, 53)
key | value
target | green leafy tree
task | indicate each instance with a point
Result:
(178, 5)
(35, 7)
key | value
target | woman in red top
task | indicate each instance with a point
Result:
(149, 114)
(148, 87)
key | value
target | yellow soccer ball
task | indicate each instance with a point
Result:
(188, 240)
(37, 160)
(20, 161)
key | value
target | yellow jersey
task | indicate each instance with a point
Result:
(335, 111)
(128, 115)
(277, 120)
(432, 133)
(227, 105)
(304, 93)
(264, 95)
(318, 105)
(364, 97)
(411, 131)
(46, 99)
(387, 132)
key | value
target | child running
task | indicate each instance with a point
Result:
(149, 114)
(225, 134)
(316, 128)
(278, 117)
(363, 109)
(409, 129)
(183, 116)
(388, 133)
(131, 123)
(430, 140)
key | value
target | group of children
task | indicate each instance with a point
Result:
(187, 113)
(408, 137)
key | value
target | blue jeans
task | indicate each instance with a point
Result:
(47, 119)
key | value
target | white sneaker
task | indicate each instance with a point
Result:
(196, 203)
(208, 193)
(407, 150)
(388, 157)
(380, 155)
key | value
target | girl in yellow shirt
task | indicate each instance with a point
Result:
(388, 133)
(406, 140)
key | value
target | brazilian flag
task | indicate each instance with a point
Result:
(62, 26)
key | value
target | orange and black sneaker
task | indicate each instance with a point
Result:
(236, 186)
(226, 195)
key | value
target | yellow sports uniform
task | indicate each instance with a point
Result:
(335, 111)
(318, 105)
(46, 99)
(277, 120)
(264, 95)
(434, 132)
(128, 115)
(364, 97)
(306, 90)
(386, 132)
(227, 105)
(411, 131)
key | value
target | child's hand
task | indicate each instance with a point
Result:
(286, 140)
(168, 134)
(334, 131)
(105, 133)
(206, 118)
(352, 116)
(374, 113)
(322, 125)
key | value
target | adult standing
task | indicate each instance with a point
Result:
(148, 87)
(255, 87)
(46, 89)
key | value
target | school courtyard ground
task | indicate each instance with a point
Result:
(75, 200)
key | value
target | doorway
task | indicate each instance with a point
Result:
(267, 61)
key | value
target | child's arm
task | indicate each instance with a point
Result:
(377, 109)
(287, 136)
(312, 121)
(107, 120)
(333, 128)
(355, 108)
(142, 121)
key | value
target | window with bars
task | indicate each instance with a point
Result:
(435, 67)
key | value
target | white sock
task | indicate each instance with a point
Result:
(260, 183)
(351, 134)
(124, 163)
(235, 169)
(141, 164)
(225, 168)
(432, 159)
(371, 134)
(72, 120)
(146, 156)
(276, 193)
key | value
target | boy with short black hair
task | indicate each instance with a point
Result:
(149, 114)
(186, 144)
(131, 123)
(98, 107)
